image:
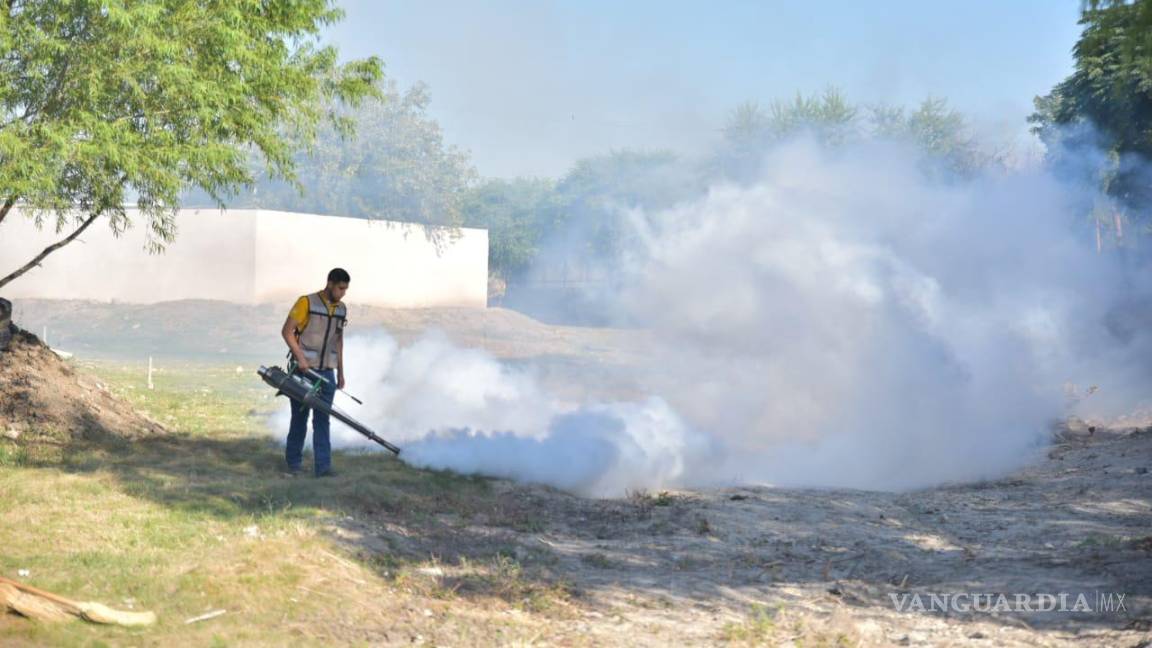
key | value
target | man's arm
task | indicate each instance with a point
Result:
(288, 332)
(340, 360)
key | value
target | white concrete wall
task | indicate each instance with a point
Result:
(394, 264)
(252, 256)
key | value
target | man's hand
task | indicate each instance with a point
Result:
(302, 365)
(340, 381)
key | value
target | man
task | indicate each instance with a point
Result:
(314, 332)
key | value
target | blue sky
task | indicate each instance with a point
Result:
(528, 87)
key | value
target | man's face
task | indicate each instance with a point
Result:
(336, 291)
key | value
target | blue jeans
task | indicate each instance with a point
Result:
(298, 429)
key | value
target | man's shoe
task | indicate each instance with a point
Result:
(326, 473)
(293, 471)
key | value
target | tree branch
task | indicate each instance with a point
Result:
(50, 249)
(6, 207)
(53, 94)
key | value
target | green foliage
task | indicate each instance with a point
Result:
(517, 214)
(596, 195)
(627, 178)
(751, 130)
(760, 626)
(104, 102)
(829, 116)
(397, 168)
(939, 133)
(1105, 104)
(12, 456)
(572, 231)
(582, 215)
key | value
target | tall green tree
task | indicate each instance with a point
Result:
(398, 167)
(939, 133)
(105, 101)
(1097, 123)
(752, 129)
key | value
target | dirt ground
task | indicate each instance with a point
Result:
(41, 394)
(748, 565)
(688, 567)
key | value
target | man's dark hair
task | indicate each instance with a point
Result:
(339, 275)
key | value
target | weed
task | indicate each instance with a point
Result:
(644, 499)
(774, 626)
(12, 456)
(1103, 541)
(528, 525)
(597, 560)
(758, 628)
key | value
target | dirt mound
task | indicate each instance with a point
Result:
(43, 399)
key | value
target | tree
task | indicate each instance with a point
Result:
(595, 196)
(397, 168)
(828, 116)
(751, 130)
(554, 245)
(939, 133)
(104, 101)
(1097, 123)
(518, 215)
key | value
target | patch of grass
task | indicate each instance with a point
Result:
(85, 538)
(650, 602)
(1103, 541)
(502, 581)
(203, 519)
(527, 524)
(645, 498)
(12, 456)
(758, 628)
(775, 626)
(194, 398)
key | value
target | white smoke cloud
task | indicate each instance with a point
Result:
(842, 323)
(450, 407)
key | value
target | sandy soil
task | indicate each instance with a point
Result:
(693, 567)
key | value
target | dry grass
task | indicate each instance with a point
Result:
(202, 520)
(777, 627)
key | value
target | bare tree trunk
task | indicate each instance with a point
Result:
(49, 250)
(5, 208)
(5, 323)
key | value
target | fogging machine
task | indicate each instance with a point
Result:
(304, 390)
